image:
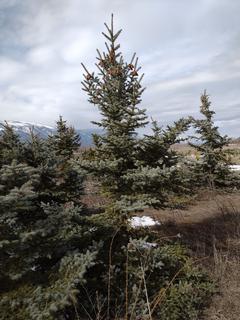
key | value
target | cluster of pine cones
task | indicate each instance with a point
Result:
(116, 71)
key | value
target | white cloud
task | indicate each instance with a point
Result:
(41, 55)
(10, 69)
(184, 47)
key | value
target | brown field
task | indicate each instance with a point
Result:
(210, 228)
(233, 149)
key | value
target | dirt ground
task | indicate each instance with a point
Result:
(208, 204)
(210, 228)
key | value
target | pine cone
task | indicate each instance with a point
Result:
(131, 66)
(112, 56)
(101, 63)
(119, 70)
(88, 77)
(134, 73)
(113, 71)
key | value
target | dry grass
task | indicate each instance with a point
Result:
(226, 305)
(211, 230)
(92, 197)
(208, 204)
(233, 149)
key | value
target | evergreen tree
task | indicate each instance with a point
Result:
(156, 150)
(41, 262)
(69, 178)
(45, 250)
(116, 90)
(212, 167)
(158, 175)
(137, 172)
(65, 141)
(36, 150)
(11, 148)
(16, 183)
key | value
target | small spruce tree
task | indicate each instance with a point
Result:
(65, 141)
(158, 174)
(156, 150)
(63, 144)
(11, 148)
(212, 166)
(36, 150)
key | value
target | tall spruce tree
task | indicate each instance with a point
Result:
(116, 90)
(212, 167)
(137, 172)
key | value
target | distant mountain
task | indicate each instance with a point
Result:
(86, 136)
(235, 140)
(23, 129)
(43, 131)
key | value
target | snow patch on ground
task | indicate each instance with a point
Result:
(149, 245)
(235, 167)
(143, 221)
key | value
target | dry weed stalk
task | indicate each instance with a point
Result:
(109, 273)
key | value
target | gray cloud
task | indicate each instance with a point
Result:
(183, 46)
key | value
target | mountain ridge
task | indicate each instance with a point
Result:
(43, 131)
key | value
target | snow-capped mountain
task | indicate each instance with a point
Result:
(23, 129)
(43, 131)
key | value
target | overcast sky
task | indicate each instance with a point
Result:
(184, 47)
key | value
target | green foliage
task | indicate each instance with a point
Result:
(135, 172)
(36, 151)
(69, 178)
(212, 167)
(146, 185)
(116, 91)
(33, 235)
(53, 299)
(166, 278)
(66, 264)
(158, 174)
(17, 182)
(65, 141)
(61, 178)
(156, 150)
(44, 253)
(10, 146)
(144, 278)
